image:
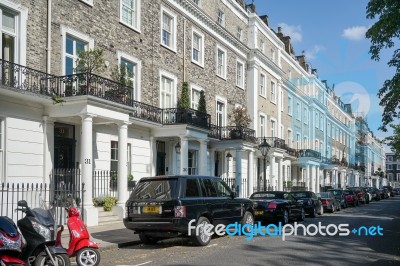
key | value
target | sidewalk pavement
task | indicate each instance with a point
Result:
(108, 236)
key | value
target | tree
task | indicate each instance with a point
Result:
(90, 61)
(184, 101)
(122, 74)
(202, 103)
(240, 117)
(383, 35)
(394, 141)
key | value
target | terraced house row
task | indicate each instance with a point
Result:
(104, 129)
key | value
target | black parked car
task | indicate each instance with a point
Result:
(312, 205)
(329, 202)
(277, 206)
(340, 196)
(162, 207)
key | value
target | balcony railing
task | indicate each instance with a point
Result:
(186, 116)
(25, 79)
(309, 153)
(274, 142)
(232, 132)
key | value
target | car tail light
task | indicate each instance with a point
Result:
(180, 211)
(272, 205)
(324, 201)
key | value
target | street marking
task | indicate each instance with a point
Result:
(213, 245)
(147, 262)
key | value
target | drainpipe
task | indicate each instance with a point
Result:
(184, 49)
(48, 49)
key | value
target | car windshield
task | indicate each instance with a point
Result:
(268, 195)
(325, 195)
(160, 189)
(348, 192)
(301, 194)
(336, 192)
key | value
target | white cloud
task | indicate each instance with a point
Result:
(310, 54)
(355, 33)
(294, 32)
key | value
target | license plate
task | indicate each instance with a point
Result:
(151, 209)
(258, 212)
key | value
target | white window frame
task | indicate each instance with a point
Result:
(316, 120)
(240, 82)
(76, 34)
(88, 2)
(224, 101)
(194, 87)
(136, 19)
(263, 125)
(174, 79)
(220, 19)
(200, 49)
(224, 62)
(290, 105)
(273, 127)
(390, 158)
(298, 141)
(290, 137)
(172, 15)
(306, 142)
(390, 176)
(316, 145)
(398, 176)
(261, 46)
(262, 84)
(305, 117)
(137, 74)
(20, 35)
(273, 91)
(298, 105)
(328, 129)
(239, 33)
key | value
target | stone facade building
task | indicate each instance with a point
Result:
(54, 117)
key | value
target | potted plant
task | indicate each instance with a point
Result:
(131, 183)
(241, 119)
(202, 109)
(87, 63)
(183, 115)
(113, 180)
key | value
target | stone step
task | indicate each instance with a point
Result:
(106, 217)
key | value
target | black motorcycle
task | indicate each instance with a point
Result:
(38, 228)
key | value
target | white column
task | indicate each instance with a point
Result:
(335, 176)
(153, 156)
(203, 157)
(48, 148)
(184, 155)
(212, 162)
(250, 176)
(87, 169)
(271, 170)
(308, 177)
(280, 179)
(238, 177)
(122, 164)
(318, 180)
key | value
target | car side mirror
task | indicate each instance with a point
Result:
(233, 194)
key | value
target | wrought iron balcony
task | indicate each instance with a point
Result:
(274, 142)
(25, 79)
(309, 153)
(232, 132)
(186, 116)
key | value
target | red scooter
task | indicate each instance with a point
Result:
(86, 251)
(10, 243)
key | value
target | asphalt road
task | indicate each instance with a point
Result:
(352, 249)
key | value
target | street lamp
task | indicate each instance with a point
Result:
(178, 147)
(264, 148)
(228, 156)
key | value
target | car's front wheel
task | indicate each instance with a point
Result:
(202, 239)
(314, 212)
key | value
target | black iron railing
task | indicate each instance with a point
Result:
(26, 79)
(189, 116)
(105, 184)
(274, 142)
(309, 153)
(232, 132)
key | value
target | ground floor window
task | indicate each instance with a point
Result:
(192, 162)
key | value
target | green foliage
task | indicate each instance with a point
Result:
(130, 177)
(98, 202)
(109, 203)
(383, 34)
(122, 74)
(114, 176)
(240, 117)
(90, 61)
(184, 101)
(394, 141)
(57, 99)
(202, 103)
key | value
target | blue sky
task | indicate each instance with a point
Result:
(332, 36)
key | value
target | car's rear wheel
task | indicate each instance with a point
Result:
(302, 215)
(202, 239)
(314, 212)
(321, 210)
(332, 208)
(248, 219)
(285, 217)
(148, 240)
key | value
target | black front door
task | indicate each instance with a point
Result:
(160, 163)
(64, 146)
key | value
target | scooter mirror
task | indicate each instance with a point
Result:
(22, 203)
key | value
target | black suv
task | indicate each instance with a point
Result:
(161, 207)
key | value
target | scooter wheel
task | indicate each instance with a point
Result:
(44, 260)
(88, 257)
